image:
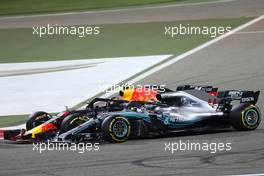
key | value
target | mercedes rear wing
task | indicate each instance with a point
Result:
(208, 89)
(242, 96)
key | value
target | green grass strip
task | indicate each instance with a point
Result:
(115, 40)
(6, 121)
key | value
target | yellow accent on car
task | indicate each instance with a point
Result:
(128, 93)
(34, 131)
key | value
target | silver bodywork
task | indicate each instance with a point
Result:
(190, 110)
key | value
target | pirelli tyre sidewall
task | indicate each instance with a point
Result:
(116, 129)
(37, 119)
(245, 117)
(72, 121)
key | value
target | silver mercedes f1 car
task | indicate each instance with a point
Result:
(186, 108)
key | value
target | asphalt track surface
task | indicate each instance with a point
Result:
(234, 62)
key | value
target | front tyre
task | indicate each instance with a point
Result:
(37, 119)
(72, 121)
(245, 117)
(116, 129)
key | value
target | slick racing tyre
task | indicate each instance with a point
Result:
(245, 117)
(116, 129)
(36, 119)
(71, 122)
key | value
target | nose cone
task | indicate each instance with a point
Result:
(45, 127)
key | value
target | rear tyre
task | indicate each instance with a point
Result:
(116, 129)
(245, 117)
(71, 122)
(37, 119)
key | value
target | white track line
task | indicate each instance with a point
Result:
(188, 53)
(117, 10)
(22, 126)
(261, 174)
(250, 32)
